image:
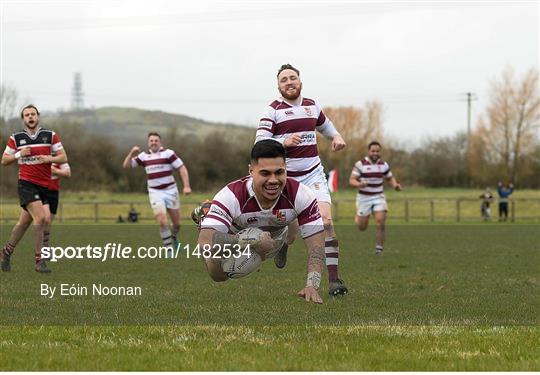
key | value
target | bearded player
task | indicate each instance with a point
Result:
(293, 121)
(33, 149)
(268, 200)
(368, 177)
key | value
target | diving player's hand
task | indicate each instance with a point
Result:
(293, 140)
(338, 143)
(266, 245)
(310, 294)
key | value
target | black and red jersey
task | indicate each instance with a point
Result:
(43, 142)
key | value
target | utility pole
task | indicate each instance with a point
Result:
(470, 97)
(77, 94)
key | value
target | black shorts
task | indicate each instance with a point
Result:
(52, 197)
(30, 192)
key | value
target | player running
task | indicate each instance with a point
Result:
(266, 199)
(159, 164)
(58, 171)
(293, 121)
(33, 149)
(368, 176)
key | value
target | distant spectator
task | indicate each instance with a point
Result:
(133, 215)
(487, 199)
(504, 192)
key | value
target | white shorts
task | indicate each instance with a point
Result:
(316, 181)
(365, 204)
(160, 200)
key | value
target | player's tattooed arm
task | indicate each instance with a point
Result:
(316, 262)
(316, 257)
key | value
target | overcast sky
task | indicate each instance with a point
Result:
(217, 60)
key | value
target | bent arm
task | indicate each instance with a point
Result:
(61, 172)
(129, 156)
(8, 159)
(354, 182)
(60, 157)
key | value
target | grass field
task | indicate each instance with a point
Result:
(442, 297)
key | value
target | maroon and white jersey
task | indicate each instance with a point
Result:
(159, 167)
(373, 173)
(43, 142)
(281, 120)
(54, 184)
(235, 207)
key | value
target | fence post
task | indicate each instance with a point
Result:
(406, 210)
(513, 211)
(61, 212)
(458, 209)
(336, 210)
(95, 212)
(432, 207)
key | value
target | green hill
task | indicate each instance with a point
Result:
(130, 125)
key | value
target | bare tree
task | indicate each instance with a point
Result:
(512, 120)
(358, 126)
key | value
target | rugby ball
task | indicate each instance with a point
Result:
(248, 260)
(249, 237)
(241, 266)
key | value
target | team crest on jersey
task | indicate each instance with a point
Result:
(44, 139)
(252, 220)
(289, 112)
(280, 216)
(317, 186)
(308, 111)
(23, 141)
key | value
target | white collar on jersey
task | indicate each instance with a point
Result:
(33, 135)
(251, 192)
(371, 162)
(157, 152)
(294, 103)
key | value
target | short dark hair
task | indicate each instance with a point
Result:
(287, 66)
(28, 107)
(267, 148)
(154, 133)
(373, 143)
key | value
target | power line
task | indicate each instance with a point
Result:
(443, 98)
